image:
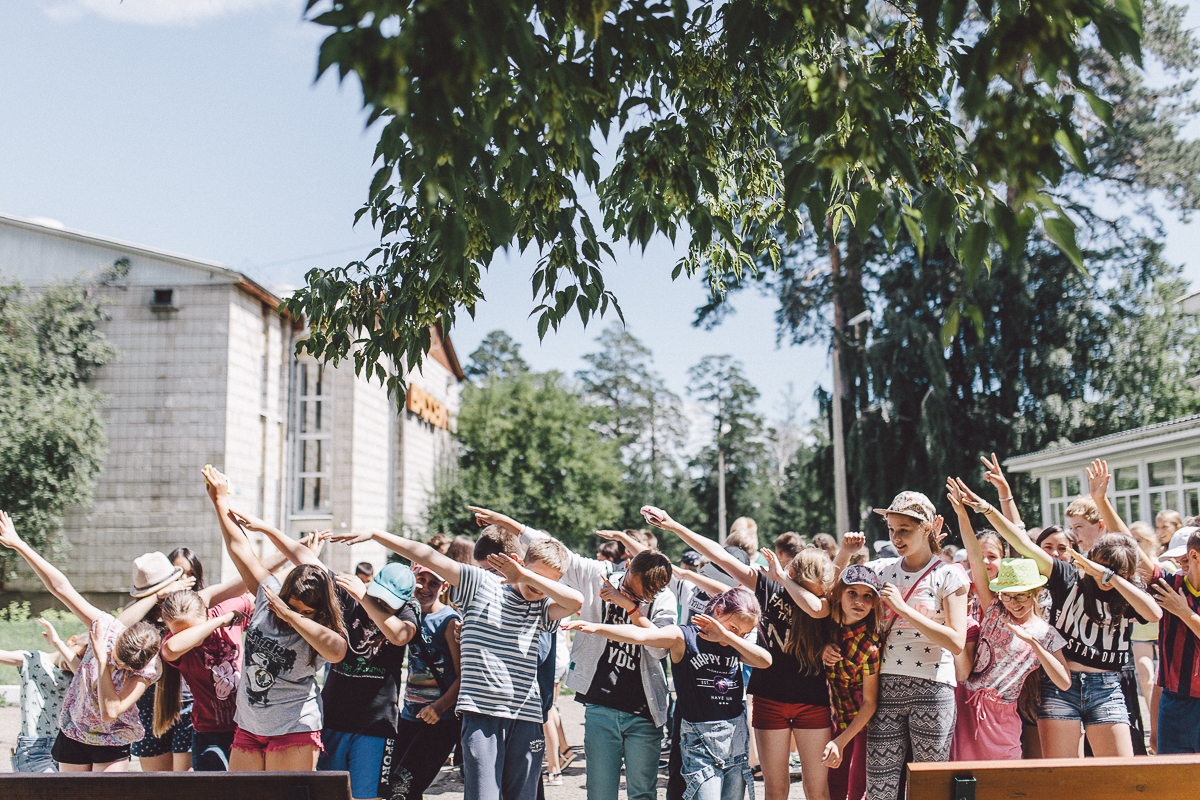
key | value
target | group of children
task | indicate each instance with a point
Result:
(1021, 650)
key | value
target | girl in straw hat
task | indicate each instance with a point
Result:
(1014, 641)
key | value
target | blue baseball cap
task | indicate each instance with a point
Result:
(393, 585)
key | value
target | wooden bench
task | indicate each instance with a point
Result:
(176, 786)
(1158, 777)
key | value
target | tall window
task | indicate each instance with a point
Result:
(314, 439)
(1126, 491)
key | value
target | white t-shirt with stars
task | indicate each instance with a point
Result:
(908, 651)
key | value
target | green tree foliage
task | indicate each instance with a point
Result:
(52, 441)
(912, 114)
(720, 385)
(641, 415)
(530, 446)
(497, 356)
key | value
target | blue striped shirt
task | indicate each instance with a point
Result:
(499, 647)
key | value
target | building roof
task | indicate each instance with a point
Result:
(1107, 446)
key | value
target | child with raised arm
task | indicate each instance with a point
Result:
(44, 681)
(295, 625)
(707, 656)
(1013, 642)
(99, 719)
(1094, 602)
(498, 696)
(362, 692)
(622, 685)
(1179, 650)
(791, 698)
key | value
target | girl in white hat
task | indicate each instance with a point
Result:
(1014, 641)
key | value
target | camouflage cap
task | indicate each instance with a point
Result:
(910, 504)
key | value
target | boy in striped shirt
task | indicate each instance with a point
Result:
(1179, 647)
(503, 611)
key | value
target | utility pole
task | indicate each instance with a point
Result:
(841, 497)
(721, 495)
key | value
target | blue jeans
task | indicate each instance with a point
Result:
(610, 737)
(1178, 724)
(358, 754)
(716, 759)
(33, 755)
(1095, 698)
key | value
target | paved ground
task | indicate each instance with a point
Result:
(448, 786)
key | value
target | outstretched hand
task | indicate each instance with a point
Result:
(656, 516)
(351, 538)
(8, 532)
(1098, 477)
(970, 499)
(995, 476)
(216, 482)
(507, 566)
(48, 630)
(183, 584)
(773, 570)
(581, 626)
(710, 629)
(955, 495)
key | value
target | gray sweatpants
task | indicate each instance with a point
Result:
(502, 758)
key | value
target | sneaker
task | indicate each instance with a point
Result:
(794, 765)
(554, 779)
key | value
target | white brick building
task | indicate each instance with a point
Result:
(206, 374)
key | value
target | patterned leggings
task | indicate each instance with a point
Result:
(912, 712)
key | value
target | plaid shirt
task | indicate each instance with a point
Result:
(860, 657)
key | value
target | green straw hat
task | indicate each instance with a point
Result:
(1017, 575)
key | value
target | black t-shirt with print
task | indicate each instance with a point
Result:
(362, 692)
(617, 683)
(786, 680)
(1101, 645)
(708, 679)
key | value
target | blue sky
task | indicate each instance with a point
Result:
(195, 126)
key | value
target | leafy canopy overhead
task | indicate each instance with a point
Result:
(949, 118)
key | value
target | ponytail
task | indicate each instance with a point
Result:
(168, 699)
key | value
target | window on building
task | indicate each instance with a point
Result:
(314, 439)
(1062, 491)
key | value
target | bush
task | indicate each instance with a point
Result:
(19, 630)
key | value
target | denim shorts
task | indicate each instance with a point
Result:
(33, 755)
(1095, 698)
(716, 759)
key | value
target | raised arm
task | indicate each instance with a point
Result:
(112, 703)
(447, 569)
(565, 600)
(70, 655)
(852, 542)
(714, 552)
(136, 611)
(176, 645)
(51, 576)
(811, 604)
(485, 516)
(979, 574)
(11, 658)
(632, 546)
(240, 552)
(295, 551)
(668, 638)
(995, 476)
(394, 629)
(1140, 601)
(1015, 536)
(749, 653)
(328, 643)
(1098, 476)
(703, 582)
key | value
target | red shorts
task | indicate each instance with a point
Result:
(253, 743)
(771, 715)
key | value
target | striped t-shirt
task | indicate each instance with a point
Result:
(499, 647)
(1179, 650)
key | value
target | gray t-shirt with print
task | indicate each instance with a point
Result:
(278, 693)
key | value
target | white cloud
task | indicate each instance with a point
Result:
(161, 13)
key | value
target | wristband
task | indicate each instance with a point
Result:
(1108, 575)
(1006, 499)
